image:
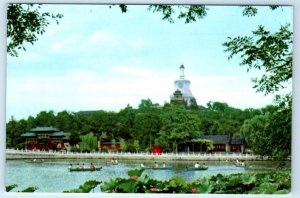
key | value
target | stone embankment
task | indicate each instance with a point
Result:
(25, 154)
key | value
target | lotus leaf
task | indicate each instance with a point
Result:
(10, 187)
(29, 189)
(136, 172)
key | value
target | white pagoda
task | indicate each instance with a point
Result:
(183, 86)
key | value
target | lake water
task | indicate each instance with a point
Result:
(53, 175)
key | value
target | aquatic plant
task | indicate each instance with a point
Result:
(85, 188)
(275, 182)
(10, 187)
(135, 172)
(29, 189)
(241, 183)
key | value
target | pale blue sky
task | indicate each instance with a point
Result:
(99, 58)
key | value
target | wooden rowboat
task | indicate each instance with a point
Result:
(196, 169)
(112, 163)
(35, 161)
(159, 168)
(86, 169)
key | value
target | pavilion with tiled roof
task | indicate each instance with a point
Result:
(44, 138)
(221, 143)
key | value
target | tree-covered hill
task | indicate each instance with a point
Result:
(151, 124)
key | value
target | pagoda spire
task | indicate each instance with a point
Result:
(181, 76)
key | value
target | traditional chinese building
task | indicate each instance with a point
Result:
(110, 146)
(44, 138)
(177, 98)
(221, 143)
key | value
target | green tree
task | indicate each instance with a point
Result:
(145, 105)
(146, 128)
(123, 145)
(270, 133)
(103, 122)
(65, 121)
(14, 130)
(146, 123)
(190, 13)
(24, 23)
(271, 52)
(31, 123)
(255, 131)
(88, 142)
(125, 122)
(178, 125)
(281, 127)
(136, 145)
(217, 106)
(194, 105)
(220, 118)
(69, 123)
(45, 118)
(251, 112)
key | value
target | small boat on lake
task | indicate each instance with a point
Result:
(197, 169)
(82, 170)
(240, 164)
(35, 161)
(159, 168)
(112, 163)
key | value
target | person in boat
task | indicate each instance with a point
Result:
(78, 166)
(242, 163)
(112, 160)
(116, 161)
(164, 165)
(83, 166)
(155, 165)
(197, 165)
(70, 166)
(92, 167)
(142, 165)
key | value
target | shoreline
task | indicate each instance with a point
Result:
(24, 154)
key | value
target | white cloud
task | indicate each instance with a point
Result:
(137, 72)
(29, 56)
(236, 91)
(72, 42)
(139, 43)
(82, 90)
(104, 37)
(112, 39)
(57, 45)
